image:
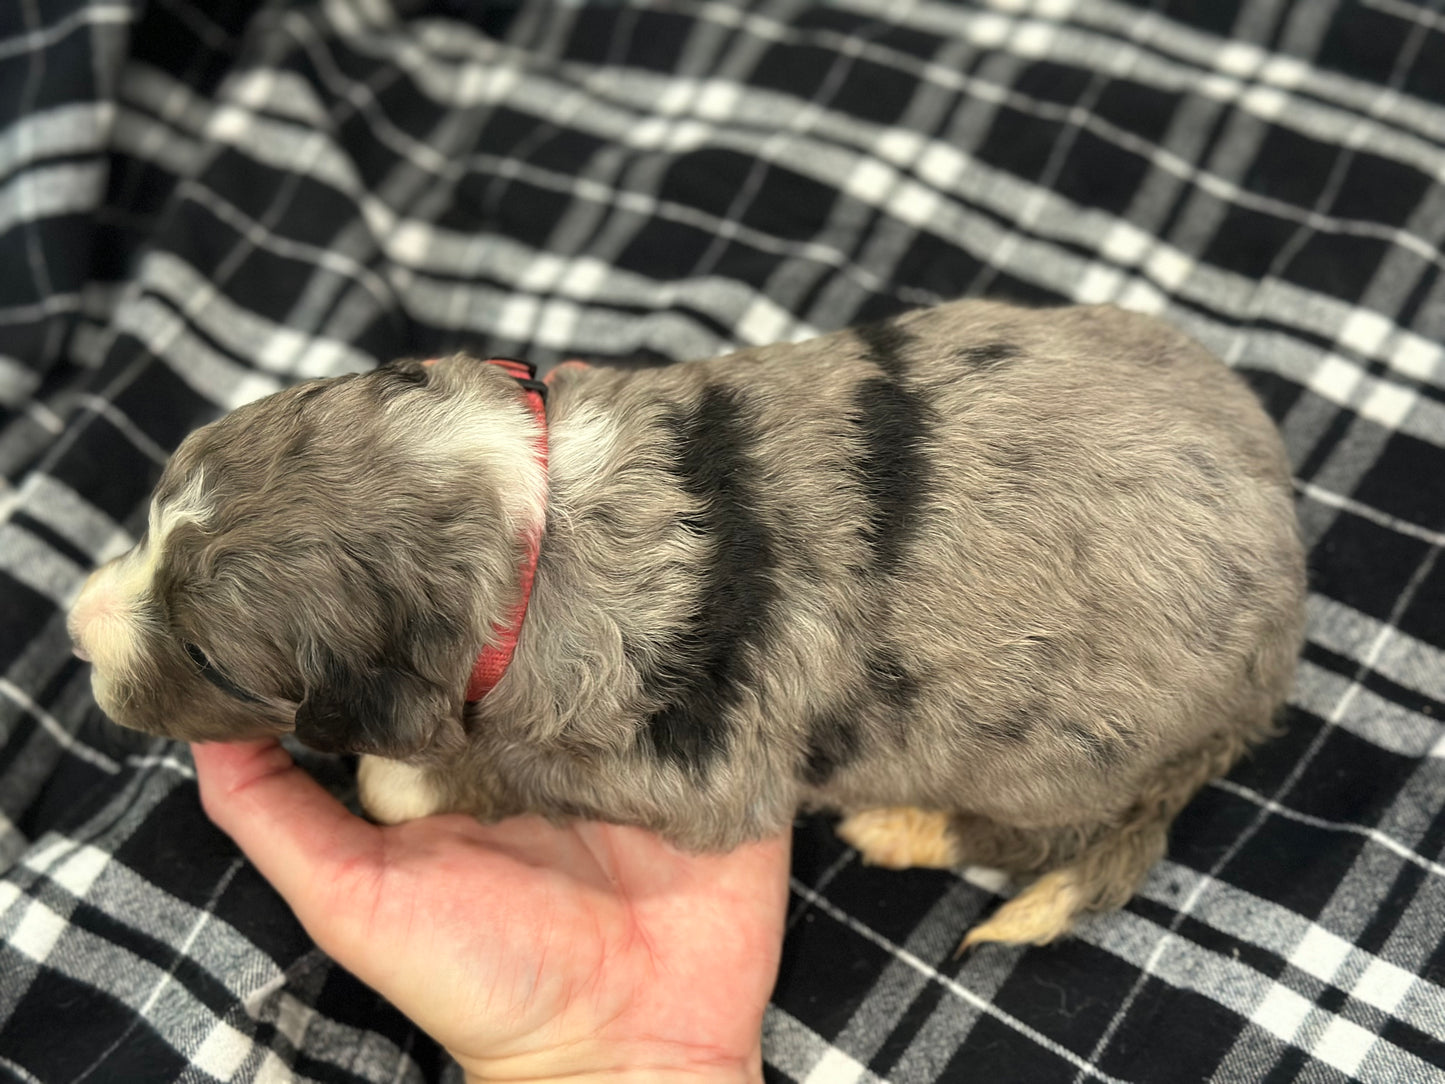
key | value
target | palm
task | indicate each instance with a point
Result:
(508, 942)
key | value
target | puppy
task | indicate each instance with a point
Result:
(999, 585)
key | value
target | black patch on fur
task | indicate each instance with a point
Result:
(834, 742)
(889, 678)
(1238, 581)
(988, 357)
(1016, 727)
(364, 709)
(887, 344)
(893, 469)
(707, 665)
(1104, 752)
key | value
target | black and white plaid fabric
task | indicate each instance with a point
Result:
(202, 200)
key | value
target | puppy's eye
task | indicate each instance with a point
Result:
(215, 677)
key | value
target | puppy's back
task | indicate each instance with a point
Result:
(978, 557)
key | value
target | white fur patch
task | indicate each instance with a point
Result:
(392, 791)
(588, 440)
(503, 441)
(110, 613)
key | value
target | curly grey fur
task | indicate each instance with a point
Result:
(1004, 563)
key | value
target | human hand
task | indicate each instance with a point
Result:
(529, 951)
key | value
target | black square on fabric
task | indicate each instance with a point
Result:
(1068, 992)
(53, 234)
(658, 39)
(1266, 766)
(1134, 107)
(68, 75)
(892, 902)
(1365, 43)
(166, 39)
(177, 845)
(1338, 264)
(665, 250)
(994, 1052)
(164, 407)
(1214, 16)
(566, 151)
(139, 189)
(816, 847)
(267, 282)
(1277, 393)
(798, 70)
(114, 475)
(1170, 1033)
(708, 180)
(1295, 865)
(1050, 82)
(1427, 81)
(1407, 481)
(1247, 242)
(1424, 615)
(1100, 175)
(788, 205)
(1365, 565)
(827, 970)
(1006, 287)
(1019, 142)
(114, 246)
(316, 212)
(933, 265)
(875, 92)
(503, 129)
(1350, 779)
(75, 790)
(513, 208)
(1290, 167)
(1377, 189)
(1208, 826)
(62, 1028)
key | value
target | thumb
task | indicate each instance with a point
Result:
(302, 839)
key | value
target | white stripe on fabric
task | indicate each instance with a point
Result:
(57, 731)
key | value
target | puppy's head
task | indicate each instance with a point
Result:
(329, 559)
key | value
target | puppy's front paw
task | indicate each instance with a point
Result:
(392, 792)
(901, 837)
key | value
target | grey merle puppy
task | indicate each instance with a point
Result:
(1001, 586)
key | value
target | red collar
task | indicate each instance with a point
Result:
(493, 660)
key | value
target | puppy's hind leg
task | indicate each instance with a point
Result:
(1099, 869)
(901, 837)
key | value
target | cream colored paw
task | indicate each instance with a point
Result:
(392, 792)
(1042, 912)
(902, 837)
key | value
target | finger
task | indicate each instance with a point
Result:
(299, 836)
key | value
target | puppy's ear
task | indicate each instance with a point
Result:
(388, 712)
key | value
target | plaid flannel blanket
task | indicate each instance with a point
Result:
(202, 201)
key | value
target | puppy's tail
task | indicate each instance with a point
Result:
(1098, 870)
